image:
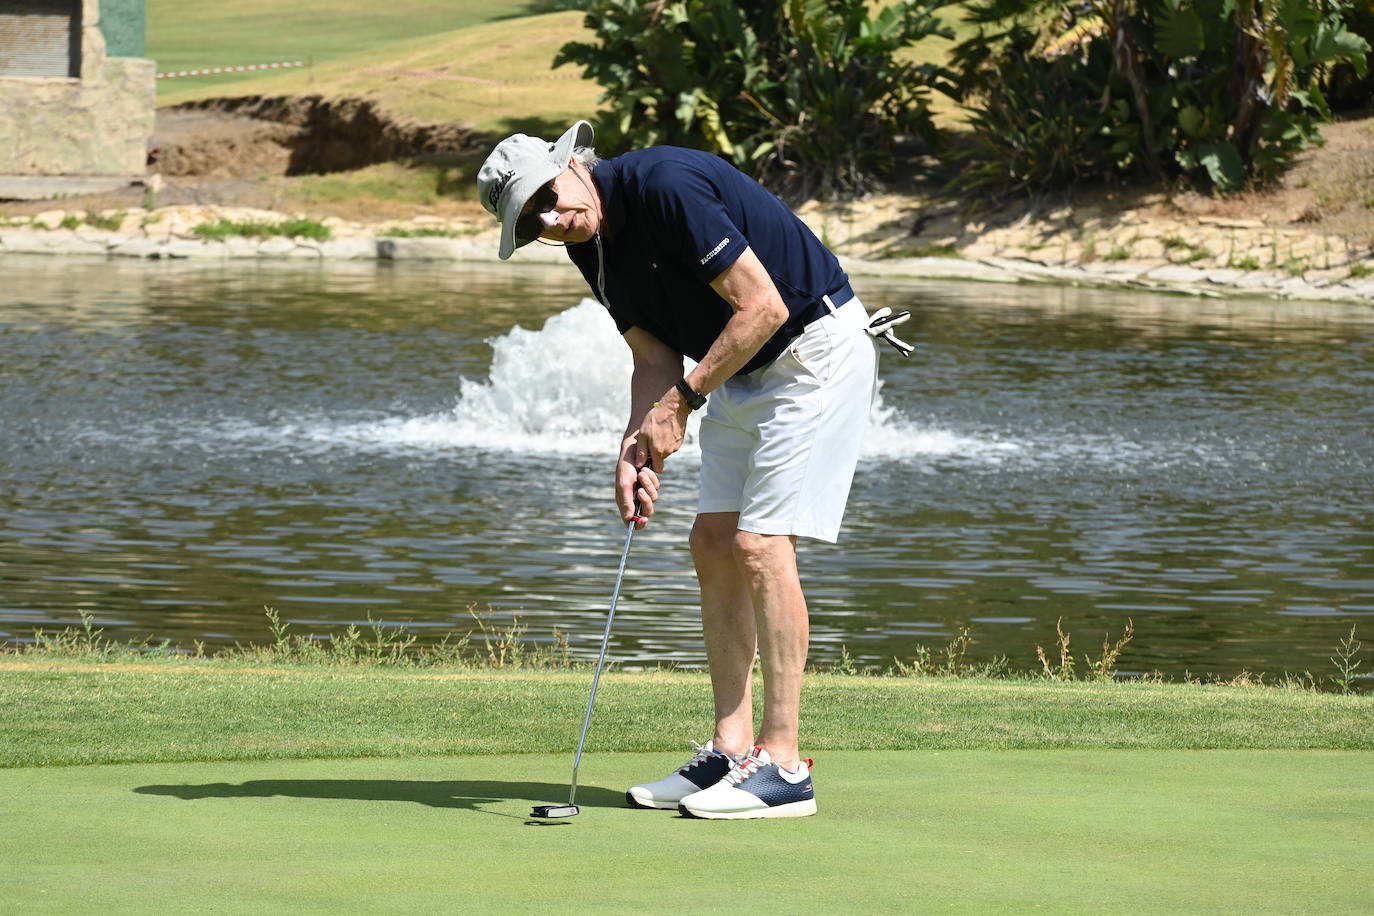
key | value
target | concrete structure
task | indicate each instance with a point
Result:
(76, 98)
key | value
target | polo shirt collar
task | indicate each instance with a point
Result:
(607, 178)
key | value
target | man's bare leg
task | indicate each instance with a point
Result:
(769, 566)
(727, 622)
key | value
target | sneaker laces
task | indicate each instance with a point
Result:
(703, 752)
(744, 768)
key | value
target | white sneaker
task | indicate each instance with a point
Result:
(755, 787)
(708, 767)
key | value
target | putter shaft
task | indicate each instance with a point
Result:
(601, 658)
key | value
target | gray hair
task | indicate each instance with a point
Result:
(586, 157)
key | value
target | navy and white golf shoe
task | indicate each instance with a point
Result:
(708, 767)
(755, 787)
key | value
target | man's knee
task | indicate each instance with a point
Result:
(713, 536)
(758, 553)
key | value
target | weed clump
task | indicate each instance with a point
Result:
(291, 228)
(493, 645)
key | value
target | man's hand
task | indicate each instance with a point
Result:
(662, 431)
(633, 484)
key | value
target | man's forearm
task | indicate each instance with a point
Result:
(744, 335)
(759, 312)
(648, 383)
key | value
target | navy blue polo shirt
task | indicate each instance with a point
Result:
(674, 219)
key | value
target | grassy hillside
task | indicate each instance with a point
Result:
(193, 34)
(494, 76)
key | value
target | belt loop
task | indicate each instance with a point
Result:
(828, 304)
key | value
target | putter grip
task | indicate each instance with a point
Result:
(639, 510)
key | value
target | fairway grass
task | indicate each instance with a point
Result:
(898, 831)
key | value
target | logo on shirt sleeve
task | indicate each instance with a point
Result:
(715, 251)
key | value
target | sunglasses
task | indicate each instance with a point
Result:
(529, 226)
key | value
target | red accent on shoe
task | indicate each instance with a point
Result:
(809, 762)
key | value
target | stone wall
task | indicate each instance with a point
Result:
(98, 125)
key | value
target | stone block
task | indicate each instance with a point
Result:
(133, 247)
(275, 248)
(421, 249)
(238, 247)
(1253, 279)
(349, 249)
(1113, 270)
(1148, 250)
(193, 250)
(1364, 288)
(1177, 274)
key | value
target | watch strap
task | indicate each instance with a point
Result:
(694, 400)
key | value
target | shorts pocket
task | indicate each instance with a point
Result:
(811, 350)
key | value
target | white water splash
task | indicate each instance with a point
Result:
(565, 388)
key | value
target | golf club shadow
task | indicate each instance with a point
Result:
(465, 794)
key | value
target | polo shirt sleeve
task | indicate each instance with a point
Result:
(687, 207)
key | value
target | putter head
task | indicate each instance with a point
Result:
(554, 811)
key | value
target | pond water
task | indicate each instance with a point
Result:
(184, 445)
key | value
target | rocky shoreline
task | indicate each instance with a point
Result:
(885, 236)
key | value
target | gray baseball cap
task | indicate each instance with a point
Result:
(518, 167)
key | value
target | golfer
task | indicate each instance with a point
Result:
(692, 258)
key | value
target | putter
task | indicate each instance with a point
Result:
(571, 809)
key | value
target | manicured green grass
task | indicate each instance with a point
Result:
(63, 713)
(935, 794)
(898, 831)
(196, 34)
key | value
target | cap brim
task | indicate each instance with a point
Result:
(523, 187)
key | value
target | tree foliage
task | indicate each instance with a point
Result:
(1221, 91)
(807, 95)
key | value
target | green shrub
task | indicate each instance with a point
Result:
(806, 95)
(1222, 92)
(1031, 129)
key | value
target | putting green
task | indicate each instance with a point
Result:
(1114, 830)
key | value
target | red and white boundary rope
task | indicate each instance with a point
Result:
(206, 72)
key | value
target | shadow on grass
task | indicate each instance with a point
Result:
(470, 795)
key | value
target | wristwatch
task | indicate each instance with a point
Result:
(694, 400)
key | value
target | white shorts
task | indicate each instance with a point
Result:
(780, 444)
